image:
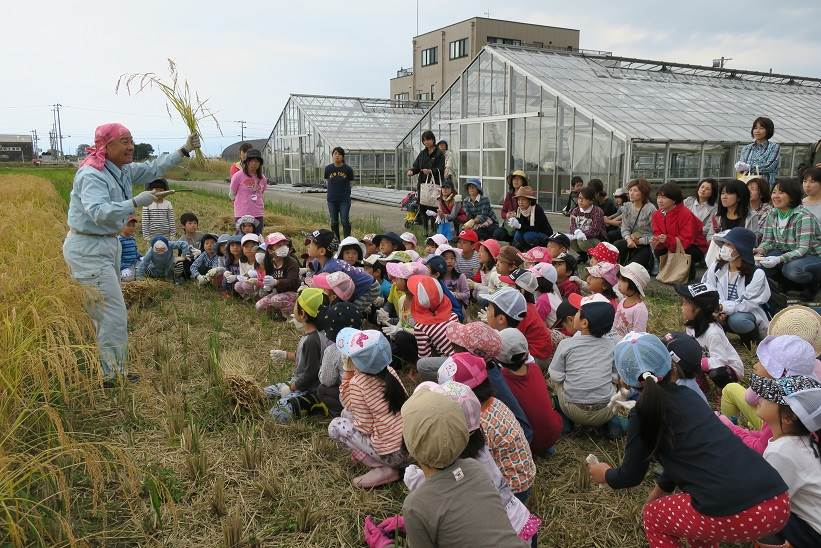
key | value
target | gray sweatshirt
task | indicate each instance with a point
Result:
(584, 365)
(634, 220)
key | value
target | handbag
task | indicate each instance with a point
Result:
(674, 268)
(429, 191)
(746, 177)
(446, 230)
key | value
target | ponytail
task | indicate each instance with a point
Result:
(394, 392)
(651, 409)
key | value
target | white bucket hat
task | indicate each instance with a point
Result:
(637, 274)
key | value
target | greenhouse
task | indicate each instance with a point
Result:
(558, 114)
(310, 126)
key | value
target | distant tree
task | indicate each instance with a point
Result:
(81, 149)
(142, 151)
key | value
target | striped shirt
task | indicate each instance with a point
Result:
(130, 253)
(362, 396)
(508, 445)
(468, 267)
(158, 220)
(431, 338)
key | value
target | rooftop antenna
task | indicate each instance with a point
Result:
(487, 14)
(719, 63)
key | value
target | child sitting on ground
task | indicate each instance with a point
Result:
(373, 396)
(206, 267)
(631, 312)
(548, 297)
(333, 320)
(321, 244)
(558, 243)
(432, 314)
(505, 438)
(455, 281)
(387, 243)
(486, 279)
(601, 279)
(565, 265)
(468, 261)
(438, 268)
(283, 268)
(699, 304)
(251, 279)
(526, 381)
(222, 247)
(586, 223)
(400, 299)
(509, 308)
(435, 433)
(159, 261)
(158, 217)
(791, 407)
(190, 225)
(233, 258)
(582, 372)
(248, 224)
(523, 522)
(298, 397)
(129, 254)
(433, 243)
(352, 251)
(686, 354)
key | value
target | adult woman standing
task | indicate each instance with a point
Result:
(792, 239)
(674, 223)
(510, 205)
(248, 189)
(481, 217)
(636, 230)
(703, 203)
(430, 162)
(762, 156)
(100, 203)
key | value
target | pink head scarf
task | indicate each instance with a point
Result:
(103, 135)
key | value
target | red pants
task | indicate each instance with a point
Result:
(672, 519)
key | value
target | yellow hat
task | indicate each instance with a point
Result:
(310, 300)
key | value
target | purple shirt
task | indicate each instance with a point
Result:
(249, 194)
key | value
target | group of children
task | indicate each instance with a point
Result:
(512, 350)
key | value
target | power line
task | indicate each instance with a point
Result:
(242, 124)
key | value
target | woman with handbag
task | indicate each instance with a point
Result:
(451, 215)
(636, 230)
(429, 165)
(676, 231)
(762, 156)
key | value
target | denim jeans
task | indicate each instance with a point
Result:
(337, 209)
(741, 323)
(530, 238)
(802, 271)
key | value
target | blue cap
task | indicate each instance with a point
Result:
(639, 353)
(369, 350)
(742, 239)
(475, 182)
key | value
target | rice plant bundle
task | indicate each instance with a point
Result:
(140, 293)
(242, 388)
(178, 95)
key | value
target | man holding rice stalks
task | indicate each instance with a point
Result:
(100, 204)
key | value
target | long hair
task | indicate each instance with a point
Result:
(814, 438)
(476, 441)
(742, 207)
(702, 320)
(259, 169)
(394, 392)
(652, 411)
(746, 269)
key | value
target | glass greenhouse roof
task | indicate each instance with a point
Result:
(654, 100)
(360, 123)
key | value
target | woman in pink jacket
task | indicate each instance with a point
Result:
(248, 189)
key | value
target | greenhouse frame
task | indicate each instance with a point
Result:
(310, 126)
(557, 114)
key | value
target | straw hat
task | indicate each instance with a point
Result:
(798, 320)
(525, 192)
(521, 174)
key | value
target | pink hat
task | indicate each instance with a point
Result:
(461, 394)
(274, 238)
(405, 270)
(447, 247)
(605, 252)
(546, 271)
(492, 246)
(537, 255)
(465, 368)
(408, 237)
(103, 135)
(475, 337)
(338, 282)
(413, 255)
(608, 271)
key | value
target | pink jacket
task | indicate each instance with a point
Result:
(243, 189)
(756, 440)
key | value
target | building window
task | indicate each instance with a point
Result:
(459, 48)
(538, 44)
(422, 96)
(504, 41)
(428, 57)
(402, 96)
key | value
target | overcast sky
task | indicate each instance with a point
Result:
(247, 58)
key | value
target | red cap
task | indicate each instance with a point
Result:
(492, 246)
(508, 280)
(469, 236)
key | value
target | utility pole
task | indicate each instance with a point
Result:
(34, 139)
(242, 126)
(59, 129)
(53, 133)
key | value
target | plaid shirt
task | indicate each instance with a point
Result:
(801, 235)
(765, 157)
(481, 209)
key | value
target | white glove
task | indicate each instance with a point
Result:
(303, 272)
(144, 198)
(769, 262)
(242, 278)
(268, 282)
(514, 223)
(217, 270)
(391, 330)
(278, 355)
(195, 252)
(619, 399)
(580, 235)
(202, 280)
(382, 317)
(252, 274)
(192, 142)
(414, 477)
(742, 167)
(230, 278)
(377, 302)
(439, 220)
(570, 236)
(431, 213)
(482, 315)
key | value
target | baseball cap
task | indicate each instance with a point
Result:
(408, 237)
(701, 294)
(437, 239)
(536, 255)
(524, 279)
(509, 301)
(560, 239)
(568, 259)
(639, 353)
(369, 350)
(637, 274)
(250, 238)
(607, 271)
(433, 428)
(310, 300)
(463, 367)
(685, 351)
(577, 301)
(546, 271)
(323, 238)
(340, 283)
(514, 343)
(436, 264)
(492, 247)
(469, 236)
(477, 338)
(564, 310)
(786, 355)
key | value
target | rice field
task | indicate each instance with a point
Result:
(185, 457)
